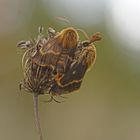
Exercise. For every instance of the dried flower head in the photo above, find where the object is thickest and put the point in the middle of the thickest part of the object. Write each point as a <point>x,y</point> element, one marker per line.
<point>56,64</point>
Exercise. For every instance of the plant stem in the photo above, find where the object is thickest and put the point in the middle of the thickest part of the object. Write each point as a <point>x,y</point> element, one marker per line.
<point>37,119</point>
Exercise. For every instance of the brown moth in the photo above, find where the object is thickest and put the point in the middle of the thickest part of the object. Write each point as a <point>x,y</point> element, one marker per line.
<point>84,58</point>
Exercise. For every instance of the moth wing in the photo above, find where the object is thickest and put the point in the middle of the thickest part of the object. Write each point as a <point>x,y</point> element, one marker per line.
<point>48,54</point>
<point>79,66</point>
<point>70,81</point>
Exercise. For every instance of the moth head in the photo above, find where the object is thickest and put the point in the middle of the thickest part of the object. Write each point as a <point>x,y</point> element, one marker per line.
<point>68,38</point>
<point>88,56</point>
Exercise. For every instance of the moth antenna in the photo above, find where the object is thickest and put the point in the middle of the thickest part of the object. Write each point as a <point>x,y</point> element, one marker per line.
<point>37,118</point>
<point>53,99</point>
<point>63,19</point>
<point>84,33</point>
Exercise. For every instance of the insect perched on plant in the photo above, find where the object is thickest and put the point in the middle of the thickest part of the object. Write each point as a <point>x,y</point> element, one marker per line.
<point>56,64</point>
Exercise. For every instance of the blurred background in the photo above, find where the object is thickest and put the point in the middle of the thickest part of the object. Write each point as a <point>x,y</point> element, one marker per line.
<point>107,107</point>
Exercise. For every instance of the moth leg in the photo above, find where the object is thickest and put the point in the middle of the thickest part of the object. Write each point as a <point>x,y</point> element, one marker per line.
<point>50,100</point>
<point>63,97</point>
<point>56,93</point>
<point>52,96</point>
<point>57,100</point>
<point>53,99</point>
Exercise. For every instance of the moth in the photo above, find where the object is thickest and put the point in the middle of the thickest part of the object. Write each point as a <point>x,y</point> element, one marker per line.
<point>84,57</point>
<point>56,64</point>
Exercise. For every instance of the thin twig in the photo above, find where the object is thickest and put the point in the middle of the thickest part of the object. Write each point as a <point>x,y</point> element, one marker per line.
<point>37,119</point>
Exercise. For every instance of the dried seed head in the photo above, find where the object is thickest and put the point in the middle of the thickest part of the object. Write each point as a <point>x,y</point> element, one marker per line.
<point>40,29</point>
<point>37,79</point>
<point>51,32</point>
<point>24,44</point>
